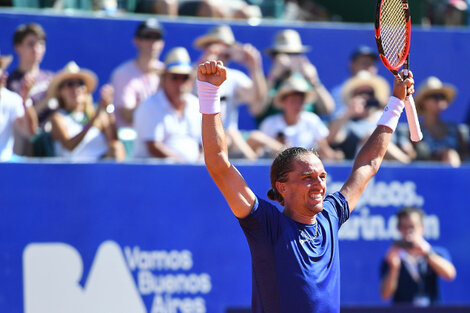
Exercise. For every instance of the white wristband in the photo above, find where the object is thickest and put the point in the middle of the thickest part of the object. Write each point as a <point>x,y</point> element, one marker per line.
<point>209,98</point>
<point>392,113</point>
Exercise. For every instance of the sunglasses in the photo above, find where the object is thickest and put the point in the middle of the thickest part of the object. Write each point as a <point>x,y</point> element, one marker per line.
<point>72,83</point>
<point>175,77</point>
<point>368,93</point>
<point>150,36</point>
<point>436,96</point>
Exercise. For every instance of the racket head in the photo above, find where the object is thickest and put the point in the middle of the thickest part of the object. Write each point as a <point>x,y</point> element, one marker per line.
<point>393,32</point>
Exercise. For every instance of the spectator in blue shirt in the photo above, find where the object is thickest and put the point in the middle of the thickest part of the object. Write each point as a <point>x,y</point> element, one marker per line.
<point>412,267</point>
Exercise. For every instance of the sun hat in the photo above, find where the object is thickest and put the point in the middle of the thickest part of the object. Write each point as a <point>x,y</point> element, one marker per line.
<point>287,41</point>
<point>364,78</point>
<point>217,34</point>
<point>432,85</point>
<point>5,60</point>
<point>177,61</point>
<point>72,71</point>
<point>295,83</point>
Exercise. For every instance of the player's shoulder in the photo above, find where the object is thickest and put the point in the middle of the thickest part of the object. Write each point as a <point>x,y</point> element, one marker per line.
<point>334,203</point>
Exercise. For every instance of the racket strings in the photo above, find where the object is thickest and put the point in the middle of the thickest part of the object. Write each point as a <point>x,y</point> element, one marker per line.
<point>393,31</point>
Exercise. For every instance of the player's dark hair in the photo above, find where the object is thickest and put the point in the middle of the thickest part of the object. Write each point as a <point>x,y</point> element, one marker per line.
<point>282,165</point>
<point>26,29</point>
<point>407,211</point>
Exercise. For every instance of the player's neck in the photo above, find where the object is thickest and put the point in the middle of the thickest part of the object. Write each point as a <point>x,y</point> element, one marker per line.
<point>300,217</point>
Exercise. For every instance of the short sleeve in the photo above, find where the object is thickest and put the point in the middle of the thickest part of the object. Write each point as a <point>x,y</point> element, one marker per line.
<point>264,218</point>
<point>340,206</point>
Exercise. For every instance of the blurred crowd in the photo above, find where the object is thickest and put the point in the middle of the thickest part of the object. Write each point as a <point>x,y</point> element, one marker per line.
<point>425,12</point>
<point>149,109</point>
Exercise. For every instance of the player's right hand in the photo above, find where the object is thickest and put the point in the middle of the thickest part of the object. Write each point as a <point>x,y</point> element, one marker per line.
<point>212,72</point>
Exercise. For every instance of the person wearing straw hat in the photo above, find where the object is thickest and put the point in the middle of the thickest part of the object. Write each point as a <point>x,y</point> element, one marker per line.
<point>442,141</point>
<point>219,43</point>
<point>294,253</point>
<point>168,124</point>
<point>137,79</point>
<point>365,95</point>
<point>288,55</point>
<point>15,114</point>
<point>82,133</point>
<point>295,126</point>
<point>362,58</point>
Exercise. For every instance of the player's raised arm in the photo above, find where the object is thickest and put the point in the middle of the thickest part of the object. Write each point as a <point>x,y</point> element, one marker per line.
<point>239,196</point>
<point>370,157</point>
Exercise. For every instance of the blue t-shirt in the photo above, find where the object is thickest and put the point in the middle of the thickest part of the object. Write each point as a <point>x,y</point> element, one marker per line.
<point>292,270</point>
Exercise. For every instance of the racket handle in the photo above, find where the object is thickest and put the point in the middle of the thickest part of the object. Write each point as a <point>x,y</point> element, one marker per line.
<point>412,117</point>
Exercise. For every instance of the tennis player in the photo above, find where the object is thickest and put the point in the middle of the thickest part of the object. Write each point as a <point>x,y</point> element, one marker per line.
<point>295,257</point>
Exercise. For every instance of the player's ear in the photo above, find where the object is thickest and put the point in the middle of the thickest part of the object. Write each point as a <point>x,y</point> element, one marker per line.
<point>281,187</point>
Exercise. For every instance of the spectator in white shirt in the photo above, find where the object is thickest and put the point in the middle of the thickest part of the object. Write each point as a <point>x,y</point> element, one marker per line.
<point>295,127</point>
<point>219,44</point>
<point>14,114</point>
<point>168,124</point>
<point>137,79</point>
<point>81,132</point>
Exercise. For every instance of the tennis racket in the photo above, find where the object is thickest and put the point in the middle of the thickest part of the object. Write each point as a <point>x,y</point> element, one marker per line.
<point>392,35</point>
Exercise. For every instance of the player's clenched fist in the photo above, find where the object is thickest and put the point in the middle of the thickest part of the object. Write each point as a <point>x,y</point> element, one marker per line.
<point>212,72</point>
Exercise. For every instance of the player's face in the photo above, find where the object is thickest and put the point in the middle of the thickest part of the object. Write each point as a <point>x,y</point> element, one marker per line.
<point>411,227</point>
<point>31,49</point>
<point>306,186</point>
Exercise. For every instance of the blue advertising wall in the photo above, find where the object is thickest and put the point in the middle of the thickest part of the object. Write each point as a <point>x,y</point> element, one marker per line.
<point>101,44</point>
<point>148,238</point>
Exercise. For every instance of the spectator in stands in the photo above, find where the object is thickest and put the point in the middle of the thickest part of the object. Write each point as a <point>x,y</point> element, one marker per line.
<point>137,79</point>
<point>363,58</point>
<point>15,113</point>
<point>288,57</point>
<point>219,43</point>
<point>168,124</point>
<point>28,79</point>
<point>365,96</point>
<point>442,140</point>
<point>296,127</point>
<point>445,12</point>
<point>234,9</point>
<point>80,131</point>
<point>412,267</point>
<point>305,10</point>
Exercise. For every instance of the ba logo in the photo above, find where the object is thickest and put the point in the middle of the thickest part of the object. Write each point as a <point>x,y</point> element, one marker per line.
<point>52,275</point>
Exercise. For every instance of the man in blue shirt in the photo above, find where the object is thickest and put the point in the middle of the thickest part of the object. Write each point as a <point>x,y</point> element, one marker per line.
<point>295,257</point>
<point>412,267</point>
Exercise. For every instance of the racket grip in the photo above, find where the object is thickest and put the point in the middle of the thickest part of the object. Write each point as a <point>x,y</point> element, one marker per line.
<point>412,117</point>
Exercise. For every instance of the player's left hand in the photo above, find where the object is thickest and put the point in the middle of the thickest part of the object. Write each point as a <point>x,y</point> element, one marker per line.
<point>403,88</point>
